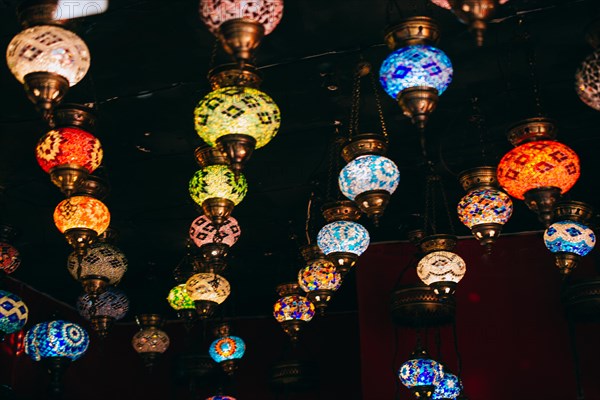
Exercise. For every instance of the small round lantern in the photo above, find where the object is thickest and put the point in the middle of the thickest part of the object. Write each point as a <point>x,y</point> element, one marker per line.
<point>102,265</point>
<point>13,313</point>
<point>421,375</point>
<point>112,305</point>
<point>292,310</point>
<point>207,290</point>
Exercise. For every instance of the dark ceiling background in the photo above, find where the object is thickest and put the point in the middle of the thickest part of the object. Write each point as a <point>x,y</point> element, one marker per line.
<point>149,62</point>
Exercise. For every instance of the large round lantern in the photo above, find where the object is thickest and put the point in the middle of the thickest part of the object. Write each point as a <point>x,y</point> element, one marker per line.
<point>587,80</point>
<point>112,305</point>
<point>13,313</point>
<point>180,301</point>
<point>343,240</point>
<point>56,339</point>
<point>320,278</point>
<point>81,219</point>
<point>102,265</point>
<point>448,388</point>
<point>213,242</point>
<point>569,241</point>
<point>207,290</point>
<point>441,270</point>
<point>292,310</point>
<point>150,342</point>
<point>227,349</point>
<point>421,375</point>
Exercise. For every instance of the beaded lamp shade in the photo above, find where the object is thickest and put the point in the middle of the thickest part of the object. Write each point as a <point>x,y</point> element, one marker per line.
<point>10,258</point>
<point>268,13</point>
<point>414,66</point>
<point>203,231</point>
<point>441,266</point>
<point>343,236</point>
<point>111,303</point>
<point>420,372</point>
<point>366,173</point>
<point>569,237</point>
<point>208,287</point>
<point>587,80</point>
<point>217,181</point>
<point>318,275</point>
<point>101,260</point>
<point>227,348</point>
<point>179,299</point>
<point>13,312</point>
<point>484,206</point>
<point>48,48</point>
<point>538,164</point>
<point>150,340</point>
<point>69,146</point>
<point>81,212</point>
<point>237,110</point>
<point>289,308</point>
<point>56,339</point>
<point>448,388</point>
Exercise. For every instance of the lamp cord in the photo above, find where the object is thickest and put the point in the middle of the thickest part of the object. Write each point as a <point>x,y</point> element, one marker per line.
<point>575,355</point>
<point>308,217</point>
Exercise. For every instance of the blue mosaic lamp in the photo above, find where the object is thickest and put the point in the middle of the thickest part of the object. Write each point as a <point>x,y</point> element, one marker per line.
<point>421,374</point>
<point>112,305</point>
<point>570,238</point>
<point>416,73</point>
<point>13,313</point>
<point>227,349</point>
<point>448,388</point>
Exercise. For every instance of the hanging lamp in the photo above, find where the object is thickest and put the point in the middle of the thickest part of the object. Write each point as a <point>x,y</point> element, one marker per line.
<point>569,238</point>
<point>474,13</point>
<point>416,73</point>
<point>180,301</point>
<point>236,116</point>
<point>292,310</point>
<point>448,388</point>
<point>207,290</point>
<point>214,242</point>
<point>485,208</point>
<point>587,79</point>
<point>45,57</point>
<point>539,169</point>
<point>421,374</point>
<point>319,278</point>
<point>13,313</point>
<point>215,187</point>
<point>110,306</point>
<point>239,25</point>
<point>150,341</point>
<point>226,349</point>
<point>10,258</point>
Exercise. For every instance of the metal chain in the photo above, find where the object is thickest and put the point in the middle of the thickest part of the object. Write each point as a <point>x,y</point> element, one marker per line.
<point>445,200</point>
<point>427,205</point>
<point>433,207</point>
<point>531,60</point>
<point>478,120</point>
<point>354,111</point>
<point>213,55</point>
<point>378,104</point>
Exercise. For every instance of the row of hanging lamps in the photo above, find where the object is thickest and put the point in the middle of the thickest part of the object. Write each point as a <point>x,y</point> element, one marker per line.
<point>110,306</point>
<point>485,208</point>
<point>46,57</point>
<point>207,290</point>
<point>13,313</point>
<point>56,343</point>
<point>236,116</point>
<point>587,77</point>
<point>474,13</point>
<point>539,169</point>
<point>227,349</point>
<point>215,187</point>
<point>416,73</point>
<point>292,310</point>
<point>369,178</point>
<point>150,341</point>
<point>70,152</point>
<point>10,257</point>
<point>569,238</point>
<point>319,278</point>
<point>240,25</point>
<point>213,242</point>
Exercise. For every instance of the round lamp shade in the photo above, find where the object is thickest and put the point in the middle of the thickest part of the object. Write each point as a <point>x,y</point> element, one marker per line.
<point>587,80</point>
<point>56,339</point>
<point>111,303</point>
<point>484,206</point>
<point>268,13</point>
<point>217,181</point>
<point>446,3</point>
<point>420,372</point>
<point>220,398</point>
<point>208,287</point>
<point>179,299</point>
<point>441,266</point>
<point>48,48</point>
<point>10,258</point>
<point>343,236</point>
<point>73,146</point>
<point>569,237</point>
<point>101,260</point>
<point>237,110</point>
<point>542,163</point>
<point>366,173</point>
<point>227,348</point>
<point>202,231</point>
<point>412,66</point>
<point>318,275</point>
<point>78,212</point>
<point>13,313</point>
<point>290,308</point>
<point>150,340</point>
<point>448,388</point>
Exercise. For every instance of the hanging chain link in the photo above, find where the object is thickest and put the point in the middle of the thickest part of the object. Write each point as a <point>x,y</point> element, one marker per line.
<point>354,111</point>
<point>446,205</point>
<point>478,121</point>
<point>432,186</point>
<point>213,55</point>
<point>378,104</point>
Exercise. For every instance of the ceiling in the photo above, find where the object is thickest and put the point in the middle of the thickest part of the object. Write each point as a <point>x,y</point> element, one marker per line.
<point>149,63</point>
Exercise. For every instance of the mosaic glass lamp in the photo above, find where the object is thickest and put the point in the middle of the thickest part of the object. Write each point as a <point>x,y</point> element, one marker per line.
<point>110,306</point>
<point>214,243</point>
<point>448,388</point>
<point>441,270</point>
<point>56,339</point>
<point>238,119</point>
<point>292,310</point>
<point>102,265</point>
<point>13,313</point>
<point>421,374</point>
<point>47,60</point>
<point>569,238</point>
<point>220,397</point>
<point>416,73</point>
<point>207,290</point>
<point>320,278</point>
<point>227,349</point>
<point>587,80</point>
<point>150,341</point>
<point>10,258</point>
<point>484,209</point>
<point>240,25</point>
<point>539,169</point>
<point>81,219</point>
<point>68,155</point>
<point>180,301</point>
